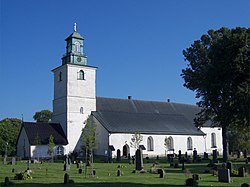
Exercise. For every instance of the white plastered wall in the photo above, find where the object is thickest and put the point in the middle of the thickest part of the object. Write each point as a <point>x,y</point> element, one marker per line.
<point>66,105</point>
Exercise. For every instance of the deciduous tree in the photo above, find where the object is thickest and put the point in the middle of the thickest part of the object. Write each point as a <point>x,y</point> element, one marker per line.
<point>43,116</point>
<point>218,71</point>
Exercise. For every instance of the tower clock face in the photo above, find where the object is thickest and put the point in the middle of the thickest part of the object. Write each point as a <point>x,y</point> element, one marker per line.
<point>79,59</point>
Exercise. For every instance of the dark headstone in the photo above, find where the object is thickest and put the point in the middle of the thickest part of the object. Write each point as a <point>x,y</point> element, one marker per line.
<point>13,170</point>
<point>129,157</point>
<point>94,172</point>
<point>242,172</point>
<point>134,171</point>
<point>245,153</point>
<point>195,177</point>
<point>119,173</point>
<point>182,161</point>
<point>66,178</point>
<point>168,158</point>
<point>77,165</point>
<point>133,160</point>
<point>205,156</point>
<point>157,157</point>
<point>229,165</point>
<point>179,156</point>
<point>191,182</point>
<point>80,171</point>
<point>6,181</point>
<point>245,185</point>
<point>186,155</point>
<point>224,175</point>
<point>238,154</point>
<point>138,160</point>
<point>162,173</point>
<point>215,155</point>
<point>194,155</point>
<point>118,156</point>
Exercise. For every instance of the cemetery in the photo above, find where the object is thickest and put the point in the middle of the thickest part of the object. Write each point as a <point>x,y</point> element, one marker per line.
<point>174,170</point>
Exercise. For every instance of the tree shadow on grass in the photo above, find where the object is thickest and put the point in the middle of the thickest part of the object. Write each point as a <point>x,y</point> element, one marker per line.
<point>104,184</point>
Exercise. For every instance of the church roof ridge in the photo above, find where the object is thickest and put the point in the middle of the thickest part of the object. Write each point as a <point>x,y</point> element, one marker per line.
<point>143,100</point>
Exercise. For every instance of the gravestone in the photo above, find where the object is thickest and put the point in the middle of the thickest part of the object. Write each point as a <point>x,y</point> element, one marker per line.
<point>215,155</point>
<point>13,161</point>
<point>6,181</point>
<point>157,157</point>
<point>195,177</point>
<point>168,158</point>
<point>245,153</point>
<point>13,170</point>
<point>66,178</point>
<point>182,161</point>
<point>133,160</point>
<point>245,185</point>
<point>94,172</point>
<point>224,175</point>
<point>194,155</point>
<point>80,171</point>
<point>242,172</point>
<point>119,173</point>
<point>78,164</point>
<point>129,157</point>
<point>162,173</point>
<point>186,155</point>
<point>205,156</point>
<point>229,165</point>
<point>238,154</point>
<point>179,156</point>
<point>138,160</point>
<point>118,156</point>
<point>191,182</point>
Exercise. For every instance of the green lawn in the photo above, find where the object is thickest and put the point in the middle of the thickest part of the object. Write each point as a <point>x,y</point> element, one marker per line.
<point>106,175</point>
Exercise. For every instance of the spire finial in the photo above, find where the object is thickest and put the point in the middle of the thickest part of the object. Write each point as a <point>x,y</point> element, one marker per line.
<point>74,27</point>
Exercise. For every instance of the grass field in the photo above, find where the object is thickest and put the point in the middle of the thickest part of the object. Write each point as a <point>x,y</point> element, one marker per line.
<point>106,175</point>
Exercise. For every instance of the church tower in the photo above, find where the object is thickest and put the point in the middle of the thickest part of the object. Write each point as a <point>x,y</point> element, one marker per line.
<point>74,90</point>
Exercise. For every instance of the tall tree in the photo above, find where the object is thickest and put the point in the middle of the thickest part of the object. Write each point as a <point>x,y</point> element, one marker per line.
<point>51,146</point>
<point>89,140</point>
<point>9,130</point>
<point>43,116</point>
<point>218,71</point>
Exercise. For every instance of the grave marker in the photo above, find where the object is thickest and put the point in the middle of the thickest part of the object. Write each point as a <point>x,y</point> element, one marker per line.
<point>242,172</point>
<point>224,175</point>
<point>138,160</point>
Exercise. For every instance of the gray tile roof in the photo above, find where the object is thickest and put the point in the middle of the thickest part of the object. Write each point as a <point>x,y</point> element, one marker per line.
<point>152,117</point>
<point>43,131</point>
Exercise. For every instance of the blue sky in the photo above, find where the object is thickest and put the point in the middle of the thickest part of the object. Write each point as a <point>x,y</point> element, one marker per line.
<point>136,45</point>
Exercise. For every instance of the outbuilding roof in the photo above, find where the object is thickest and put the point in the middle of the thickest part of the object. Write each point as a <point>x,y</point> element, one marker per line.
<point>42,131</point>
<point>151,117</point>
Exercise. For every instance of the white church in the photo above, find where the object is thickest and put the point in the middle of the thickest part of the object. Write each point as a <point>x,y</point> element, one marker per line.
<point>116,120</point>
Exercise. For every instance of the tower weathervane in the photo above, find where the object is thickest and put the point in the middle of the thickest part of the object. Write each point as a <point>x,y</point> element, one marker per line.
<point>74,27</point>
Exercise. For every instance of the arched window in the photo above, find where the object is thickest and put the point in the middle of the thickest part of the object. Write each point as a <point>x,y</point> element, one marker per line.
<point>60,150</point>
<point>60,76</point>
<point>169,143</point>
<point>81,75</point>
<point>77,47</point>
<point>81,110</point>
<point>213,140</point>
<point>189,143</point>
<point>150,143</point>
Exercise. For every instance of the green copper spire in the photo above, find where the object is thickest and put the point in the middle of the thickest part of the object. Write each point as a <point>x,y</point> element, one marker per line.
<point>74,49</point>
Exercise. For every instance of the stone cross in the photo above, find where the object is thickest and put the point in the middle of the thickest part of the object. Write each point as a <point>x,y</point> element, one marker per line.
<point>138,160</point>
